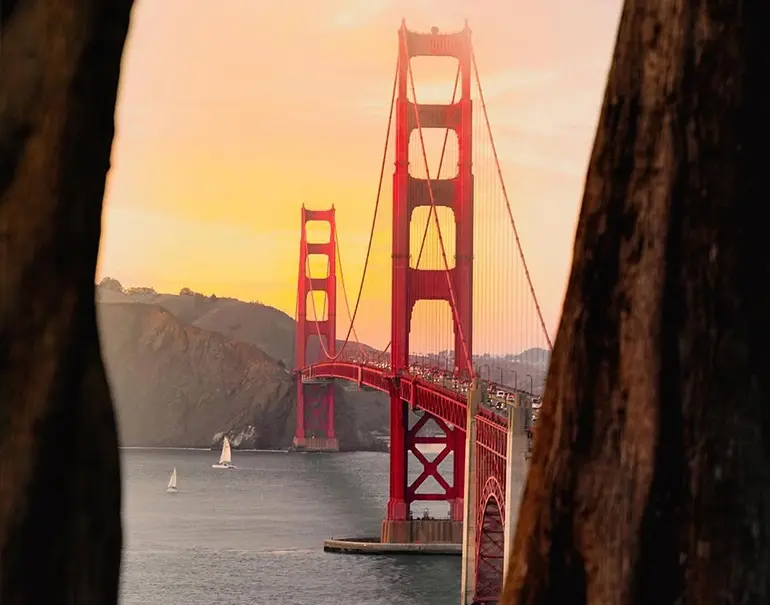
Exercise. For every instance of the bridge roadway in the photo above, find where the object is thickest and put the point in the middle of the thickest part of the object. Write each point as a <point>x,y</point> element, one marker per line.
<point>434,392</point>
<point>495,469</point>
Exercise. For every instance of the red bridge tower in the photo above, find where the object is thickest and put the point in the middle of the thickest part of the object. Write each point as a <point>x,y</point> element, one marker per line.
<point>412,284</point>
<point>315,397</point>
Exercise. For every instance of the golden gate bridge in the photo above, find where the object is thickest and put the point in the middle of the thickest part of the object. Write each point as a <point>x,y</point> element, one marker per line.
<point>474,371</point>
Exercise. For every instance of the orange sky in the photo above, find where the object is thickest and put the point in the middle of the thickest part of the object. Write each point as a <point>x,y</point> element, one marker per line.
<point>232,114</point>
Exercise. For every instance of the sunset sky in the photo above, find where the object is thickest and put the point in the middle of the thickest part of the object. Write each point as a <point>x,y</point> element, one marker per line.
<point>233,113</point>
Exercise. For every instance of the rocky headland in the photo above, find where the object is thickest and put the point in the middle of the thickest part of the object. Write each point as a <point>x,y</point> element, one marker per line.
<point>186,369</point>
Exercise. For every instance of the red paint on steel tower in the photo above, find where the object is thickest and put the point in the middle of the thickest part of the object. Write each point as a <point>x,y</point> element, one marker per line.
<point>410,285</point>
<point>315,397</point>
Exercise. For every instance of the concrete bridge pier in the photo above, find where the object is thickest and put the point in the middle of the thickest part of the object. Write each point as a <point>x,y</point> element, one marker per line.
<point>517,467</point>
<point>517,457</point>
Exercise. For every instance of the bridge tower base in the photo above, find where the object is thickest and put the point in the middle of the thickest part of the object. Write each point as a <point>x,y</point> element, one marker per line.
<point>315,444</point>
<point>517,467</point>
<point>421,531</point>
<point>399,525</point>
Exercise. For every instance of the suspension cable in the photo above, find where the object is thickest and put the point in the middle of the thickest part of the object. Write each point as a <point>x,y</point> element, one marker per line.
<point>326,298</point>
<point>453,300</point>
<point>507,200</point>
<point>345,290</point>
<point>371,235</point>
<point>293,359</point>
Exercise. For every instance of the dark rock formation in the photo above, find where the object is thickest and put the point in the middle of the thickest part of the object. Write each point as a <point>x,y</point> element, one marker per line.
<point>60,534</point>
<point>650,479</point>
<point>179,385</point>
<point>270,330</point>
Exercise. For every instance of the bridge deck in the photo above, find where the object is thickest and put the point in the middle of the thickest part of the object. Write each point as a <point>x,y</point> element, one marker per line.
<point>435,398</point>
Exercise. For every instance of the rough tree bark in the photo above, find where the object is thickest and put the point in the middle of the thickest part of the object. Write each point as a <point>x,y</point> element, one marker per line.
<point>650,473</point>
<point>60,533</point>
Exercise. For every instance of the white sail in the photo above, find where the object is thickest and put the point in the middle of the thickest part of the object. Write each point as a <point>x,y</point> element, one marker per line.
<point>225,458</point>
<point>172,481</point>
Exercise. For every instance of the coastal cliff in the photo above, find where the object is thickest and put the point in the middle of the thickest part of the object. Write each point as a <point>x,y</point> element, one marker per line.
<point>178,385</point>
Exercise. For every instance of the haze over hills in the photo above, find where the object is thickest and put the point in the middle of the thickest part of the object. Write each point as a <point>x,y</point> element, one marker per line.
<point>266,327</point>
<point>186,368</point>
<point>526,370</point>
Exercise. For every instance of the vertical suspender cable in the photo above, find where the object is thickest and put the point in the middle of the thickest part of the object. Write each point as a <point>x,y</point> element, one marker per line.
<point>507,201</point>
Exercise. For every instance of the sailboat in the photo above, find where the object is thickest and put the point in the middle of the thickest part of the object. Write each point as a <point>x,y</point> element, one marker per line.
<point>225,460</point>
<point>172,482</point>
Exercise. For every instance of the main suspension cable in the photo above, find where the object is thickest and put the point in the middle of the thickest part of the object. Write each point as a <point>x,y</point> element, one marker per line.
<point>293,358</point>
<point>345,290</point>
<point>371,235</point>
<point>430,213</point>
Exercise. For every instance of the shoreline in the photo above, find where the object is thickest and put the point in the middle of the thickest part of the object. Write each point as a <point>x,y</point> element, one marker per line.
<point>235,449</point>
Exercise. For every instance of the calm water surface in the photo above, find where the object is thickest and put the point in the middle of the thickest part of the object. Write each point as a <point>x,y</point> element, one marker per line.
<point>254,536</point>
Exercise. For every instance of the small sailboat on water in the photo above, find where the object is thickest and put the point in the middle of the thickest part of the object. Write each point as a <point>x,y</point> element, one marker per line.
<point>225,460</point>
<point>172,482</point>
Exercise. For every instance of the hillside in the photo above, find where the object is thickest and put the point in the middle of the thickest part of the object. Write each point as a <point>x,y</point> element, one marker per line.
<point>265,327</point>
<point>269,334</point>
<point>177,384</point>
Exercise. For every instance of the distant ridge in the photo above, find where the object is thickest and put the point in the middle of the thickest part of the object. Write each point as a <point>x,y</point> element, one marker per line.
<point>266,327</point>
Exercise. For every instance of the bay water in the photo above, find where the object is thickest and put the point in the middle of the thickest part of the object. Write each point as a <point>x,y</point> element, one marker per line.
<point>255,535</point>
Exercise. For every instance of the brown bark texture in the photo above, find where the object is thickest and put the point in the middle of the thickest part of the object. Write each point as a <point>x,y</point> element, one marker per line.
<point>60,532</point>
<point>650,472</point>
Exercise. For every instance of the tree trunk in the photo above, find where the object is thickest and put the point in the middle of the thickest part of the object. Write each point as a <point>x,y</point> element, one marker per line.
<point>650,472</point>
<point>60,534</point>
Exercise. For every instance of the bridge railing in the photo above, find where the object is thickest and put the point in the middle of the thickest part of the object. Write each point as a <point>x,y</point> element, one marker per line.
<point>492,433</point>
<point>440,398</point>
<point>363,375</point>
<point>445,404</point>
